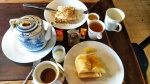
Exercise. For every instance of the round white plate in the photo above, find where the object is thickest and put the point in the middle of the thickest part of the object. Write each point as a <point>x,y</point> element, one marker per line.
<point>79,8</point>
<point>16,52</point>
<point>111,61</point>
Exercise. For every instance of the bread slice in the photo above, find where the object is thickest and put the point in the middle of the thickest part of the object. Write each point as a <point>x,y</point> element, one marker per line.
<point>82,64</point>
<point>88,66</point>
<point>65,14</point>
<point>96,64</point>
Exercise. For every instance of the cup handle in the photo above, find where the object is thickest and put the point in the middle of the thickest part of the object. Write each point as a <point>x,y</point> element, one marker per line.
<point>99,36</point>
<point>120,27</point>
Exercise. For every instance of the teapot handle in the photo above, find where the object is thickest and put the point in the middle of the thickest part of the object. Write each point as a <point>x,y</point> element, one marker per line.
<point>48,33</point>
<point>12,23</point>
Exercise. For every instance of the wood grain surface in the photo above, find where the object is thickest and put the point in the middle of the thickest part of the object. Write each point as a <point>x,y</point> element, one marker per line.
<point>137,22</point>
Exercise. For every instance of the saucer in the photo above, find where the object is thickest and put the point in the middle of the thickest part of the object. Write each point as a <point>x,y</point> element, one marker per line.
<point>15,51</point>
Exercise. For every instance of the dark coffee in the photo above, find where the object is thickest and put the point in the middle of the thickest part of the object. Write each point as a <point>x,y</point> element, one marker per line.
<point>95,26</point>
<point>48,75</point>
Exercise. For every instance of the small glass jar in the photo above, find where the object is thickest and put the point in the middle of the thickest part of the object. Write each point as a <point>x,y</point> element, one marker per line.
<point>59,53</point>
<point>73,37</point>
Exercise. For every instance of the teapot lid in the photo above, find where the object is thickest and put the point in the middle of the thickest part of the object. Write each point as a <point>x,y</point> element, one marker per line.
<point>26,23</point>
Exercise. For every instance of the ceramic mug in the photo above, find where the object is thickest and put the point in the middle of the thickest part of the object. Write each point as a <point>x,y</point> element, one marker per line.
<point>95,29</point>
<point>92,16</point>
<point>113,18</point>
<point>42,73</point>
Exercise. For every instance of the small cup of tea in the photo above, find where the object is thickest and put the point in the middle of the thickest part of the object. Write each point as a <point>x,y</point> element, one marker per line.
<point>92,16</point>
<point>95,29</point>
<point>47,72</point>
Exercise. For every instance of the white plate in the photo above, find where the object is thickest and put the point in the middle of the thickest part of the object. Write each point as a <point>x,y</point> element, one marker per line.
<point>111,61</point>
<point>16,52</point>
<point>79,8</point>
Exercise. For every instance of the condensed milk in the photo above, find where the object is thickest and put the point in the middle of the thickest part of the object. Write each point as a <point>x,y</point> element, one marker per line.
<point>59,53</point>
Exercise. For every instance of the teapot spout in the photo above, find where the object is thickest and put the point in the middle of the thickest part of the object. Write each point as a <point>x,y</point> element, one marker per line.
<point>48,33</point>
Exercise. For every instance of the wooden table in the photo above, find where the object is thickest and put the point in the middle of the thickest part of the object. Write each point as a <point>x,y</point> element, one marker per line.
<point>118,41</point>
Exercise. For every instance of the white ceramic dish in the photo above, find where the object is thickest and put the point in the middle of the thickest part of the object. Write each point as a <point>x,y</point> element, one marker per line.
<point>16,52</point>
<point>79,8</point>
<point>111,61</point>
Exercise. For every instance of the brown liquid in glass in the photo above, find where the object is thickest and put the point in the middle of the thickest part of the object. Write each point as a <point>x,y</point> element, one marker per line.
<point>48,75</point>
<point>93,17</point>
<point>97,27</point>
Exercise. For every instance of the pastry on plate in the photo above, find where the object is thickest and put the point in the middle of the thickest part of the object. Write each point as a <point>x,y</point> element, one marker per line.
<point>65,14</point>
<point>89,66</point>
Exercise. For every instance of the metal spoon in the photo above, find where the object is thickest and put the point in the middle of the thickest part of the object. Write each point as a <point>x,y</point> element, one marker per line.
<point>35,63</point>
<point>53,10</point>
<point>43,8</point>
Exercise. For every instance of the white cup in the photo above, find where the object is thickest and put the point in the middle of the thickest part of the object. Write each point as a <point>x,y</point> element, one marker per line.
<point>113,18</point>
<point>95,29</point>
<point>39,69</point>
<point>92,16</point>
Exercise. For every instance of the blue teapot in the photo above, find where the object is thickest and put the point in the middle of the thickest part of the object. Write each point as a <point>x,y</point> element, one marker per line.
<point>30,31</point>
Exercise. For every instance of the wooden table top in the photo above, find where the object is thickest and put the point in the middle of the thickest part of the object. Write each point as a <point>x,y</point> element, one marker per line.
<point>119,42</point>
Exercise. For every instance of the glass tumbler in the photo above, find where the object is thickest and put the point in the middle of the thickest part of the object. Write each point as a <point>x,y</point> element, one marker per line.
<point>59,53</point>
<point>73,37</point>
